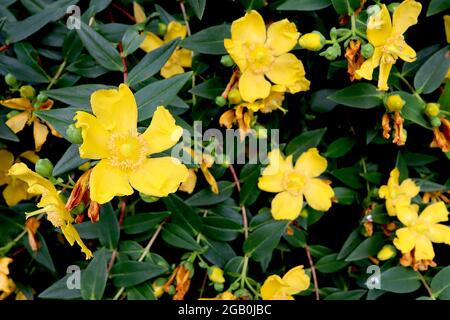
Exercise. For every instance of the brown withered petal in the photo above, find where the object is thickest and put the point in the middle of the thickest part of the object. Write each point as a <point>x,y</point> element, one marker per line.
<point>442,136</point>
<point>386,127</point>
<point>399,136</point>
<point>80,192</point>
<point>354,58</point>
<point>32,225</point>
<point>227,118</point>
<point>182,283</point>
<point>94,211</point>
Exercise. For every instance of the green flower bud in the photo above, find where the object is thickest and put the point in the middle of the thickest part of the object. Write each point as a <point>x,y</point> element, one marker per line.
<point>10,80</point>
<point>367,50</point>
<point>242,293</point>
<point>432,109</point>
<point>221,101</point>
<point>27,92</point>
<point>160,282</point>
<point>202,264</point>
<point>313,41</point>
<point>215,274</point>
<point>44,168</point>
<point>387,252</point>
<point>304,213</point>
<point>162,28</point>
<point>218,287</point>
<point>392,6</point>
<point>171,290</point>
<point>333,33</point>
<point>42,97</point>
<point>436,122</point>
<point>79,209</point>
<point>226,61</point>
<point>74,134</point>
<point>188,265</point>
<point>234,97</point>
<point>331,53</point>
<point>147,198</point>
<point>394,103</point>
<point>12,114</point>
<point>372,10</point>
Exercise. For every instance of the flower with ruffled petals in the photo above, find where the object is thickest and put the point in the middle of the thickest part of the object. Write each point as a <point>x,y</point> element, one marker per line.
<point>293,282</point>
<point>111,136</point>
<point>7,285</point>
<point>397,194</point>
<point>291,183</point>
<point>262,53</point>
<point>386,36</point>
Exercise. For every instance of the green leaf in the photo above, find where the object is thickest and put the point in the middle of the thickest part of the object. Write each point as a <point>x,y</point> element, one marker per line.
<point>152,62</point>
<point>349,176</point>
<point>399,280</point>
<point>93,280</point>
<point>304,141</point>
<point>69,161</point>
<point>437,6</point>
<point>296,239</point>
<point>176,236</point>
<point>86,67</point>
<point>20,70</point>
<point>422,56</point>
<point>218,252</point>
<point>345,6</point>
<point>340,147</point>
<point>108,228</point>
<point>318,251</point>
<point>444,99</point>
<point>198,6</point>
<point>220,228</point>
<point>42,255</point>
<point>60,290</point>
<point>368,247</point>
<point>28,55</point>
<point>320,102</point>
<point>440,285</point>
<point>78,96</point>
<point>431,74</point>
<point>360,95</point>
<point>143,291</point>
<point>249,180</point>
<point>5,132</point>
<point>209,89</point>
<point>430,186</point>
<point>304,5</point>
<point>345,196</point>
<point>99,48</point>
<point>143,222</point>
<point>131,273</point>
<point>253,4</point>
<point>330,263</point>
<point>183,214</point>
<point>347,295</point>
<point>264,239</point>
<point>159,93</point>
<point>131,40</point>
<point>206,197</point>
<point>209,40</point>
<point>60,119</point>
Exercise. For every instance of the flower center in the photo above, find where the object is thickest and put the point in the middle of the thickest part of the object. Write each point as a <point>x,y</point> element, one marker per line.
<point>421,228</point>
<point>294,182</point>
<point>260,58</point>
<point>127,151</point>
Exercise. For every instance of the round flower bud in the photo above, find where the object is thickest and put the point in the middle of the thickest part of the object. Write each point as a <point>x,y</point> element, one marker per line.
<point>331,53</point>
<point>432,109</point>
<point>218,287</point>
<point>395,103</point>
<point>42,97</point>
<point>312,41</point>
<point>436,122</point>
<point>162,28</point>
<point>147,198</point>
<point>158,286</point>
<point>220,101</point>
<point>367,50</point>
<point>44,168</point>
<point>304,213</point>
<point>333,33</point>
<point>27,92</point>
<point>392,6</point>
<point>74,134</point>
<point>372,10</point>
<point>215,274</point>
<point>387,252</point>
<point>234,97</point>
<point>172,290</point>
<point>10,80</point>
<point>226,61</point>
<point>79,209</point>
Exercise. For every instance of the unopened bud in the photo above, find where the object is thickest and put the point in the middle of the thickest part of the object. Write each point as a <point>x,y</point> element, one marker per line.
<point>218,287</point>
<point>436,122</point>
<point>215,274</point>
<point>387,252</point>
<point>226,61</point>
<point>367,50</point>
<point>74,134</point>
<point>42,97</point>
<point>331,53</point>
<point>395,103</point>
<point>312,41</point>
<point>220,101</point>
<point>147,198</point>
<point>393,6</point>
<point>44,167</point>
<point>27,92</point>
<point>12,114</point>
<point>432,109</point>
<point>10,80</point>
<point>234,97</point>
<point>162,28</point>
<point>372,10</point>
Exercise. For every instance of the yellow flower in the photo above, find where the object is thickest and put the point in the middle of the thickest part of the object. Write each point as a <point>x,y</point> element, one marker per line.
<point>291,183</point>
<point>261,54</point>
<point>50,203</point>
<point>422,230</point>
<point>181,58</point>
<point>272,102</point>
<point>189,185</point>
<point>447,27</point>
<point>17,122</point>
<point>215,274</point>
<point>387,38</point>
<point>396,194</point>
<point>16,190</point>
<point>7,285</point>
<point>387,252</point>
<point>293,282</point>
<point>111,136</point>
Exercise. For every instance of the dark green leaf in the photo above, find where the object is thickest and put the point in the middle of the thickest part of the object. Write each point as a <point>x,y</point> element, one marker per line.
<point>330,264</point>
<point>440,285</point>
<point>340,147</point>
<point>78,96</point>
<point>304,141</point>
<point>130,273</point>
<point>368,247</point>
<point>93,280</point>
<point>360,95</point>
<point>143,291</point>
<point>206,197</point>
<point>431,74</point>
<point>183,214</point>
<point>264,239</point>
<point>60,119</point>
<point>353,240</point>
<point>437,6</point>
<point>220,228</point>
<point>209,40</point>
<point>304,5</point>
<point>20,70</point>
<point>344,195</point>
<point>349,176</point>
<point>345,6</point>
<point>69,161</point>
<point>399,280</point>
<point>131,40</point>
<point>218,252</point>
<point>209,89</point>
<point>108,227</point>
<point>60,289</point>
<point>42,255</point>
<point>176,236</point>
<point>346,295</point>
<point>198,6</point>
<point>143,222</point>
<point>5,132</point>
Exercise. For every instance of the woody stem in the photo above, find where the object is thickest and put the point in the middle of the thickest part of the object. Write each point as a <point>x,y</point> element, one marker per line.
<point>183,10</point>
<point>313,271</point>
<point>427,287</point>
<point>243,210</point>
<point>58,74</point>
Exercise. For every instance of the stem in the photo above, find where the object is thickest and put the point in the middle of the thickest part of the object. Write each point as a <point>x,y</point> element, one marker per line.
<point>186,22</point>
<point>410,87</point>
<point>425,284</point>
<point>313,271</point>
<point>235,178</point>
<point>124,62</point>
<point>5,47</point>
<point>353,21</point>
<point>244,212</point>
<point>205,278</point>
<point>123,206</point>
<point>364,166</point>
<point>244,271</point>
<point>123,11</point>
<point>58,74</point>
<point>111,261</point>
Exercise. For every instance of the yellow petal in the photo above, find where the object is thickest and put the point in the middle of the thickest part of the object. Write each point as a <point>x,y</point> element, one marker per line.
<point>189,185</point>
<point>53,131</point>
<point>170,70</point>
<point>40,132</point>
<point>175,30</point>
<point>115,109</point>
<point>407,215</point>
<point>6,161</point>
<point>253,86</point>
<point>385,69</point>
<point>447,27</point>
<point>184,57</point>
<point>151,42</point>
<point>72,236</point>
<point>22,172</point>
<point>209,177</point>
<point>311,164</point>
<point>379,27</point>
<point>17,104</point>
<point>18,122</point>
<point>138,12</point>
<point>366,69</point>
<point>162,133</point>
<point>318,194</point>
<point>405,240</point>
<point>95,136</point>
<point>273,175</point>
<point>272,287</point>
<point>424,248</point>
<point>282,36</point>
<point>434,213</point>
<point>107,181</point>
<point>286,206</point>
<point>15,192</point>
<point>4,262</point>
<point>407,53</point>
<point>30,156</point>
<point>439,233</point>
<point>297,280</point>
<point>405,16</point>
<point>249,29</point>
<point>409,188</point>
<point>159,176</point>
<point>237,51</point>
<point>288,71</point>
